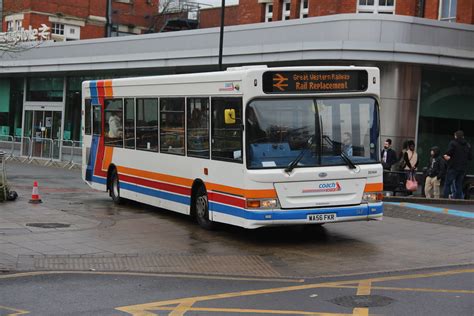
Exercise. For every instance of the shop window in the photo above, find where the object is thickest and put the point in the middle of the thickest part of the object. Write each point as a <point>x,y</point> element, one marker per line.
<point>304,9</point>
<point>227,129</point>
<point>198,127</point>
<point>129,123</point>
<point>172,125</point>
<point>113,115</point>
<point>268,12</point>
<point>447,10</point>
<point>286,8</point>
<point>147,124</point>
<point>376,6</point>
<point>87,117</point>
<point>45,89</point>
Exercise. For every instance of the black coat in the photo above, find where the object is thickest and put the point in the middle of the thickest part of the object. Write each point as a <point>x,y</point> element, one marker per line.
<point>391,158</point>
<point>460,152</point>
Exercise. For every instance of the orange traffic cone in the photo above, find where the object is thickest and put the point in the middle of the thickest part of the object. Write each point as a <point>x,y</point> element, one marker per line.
<point>35,198</point>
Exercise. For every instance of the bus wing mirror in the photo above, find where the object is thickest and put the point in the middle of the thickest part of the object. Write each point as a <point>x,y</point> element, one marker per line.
<point>229,116</point>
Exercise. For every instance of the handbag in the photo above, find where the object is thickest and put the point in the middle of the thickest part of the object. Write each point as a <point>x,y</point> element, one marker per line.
<point>411,184</point>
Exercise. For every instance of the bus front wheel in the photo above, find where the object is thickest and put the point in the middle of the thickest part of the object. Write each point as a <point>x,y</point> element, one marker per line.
<point>201,209</point>
<point>114,189</point>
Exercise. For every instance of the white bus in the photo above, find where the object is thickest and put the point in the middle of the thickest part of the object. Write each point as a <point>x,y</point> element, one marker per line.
<point>251,146</point>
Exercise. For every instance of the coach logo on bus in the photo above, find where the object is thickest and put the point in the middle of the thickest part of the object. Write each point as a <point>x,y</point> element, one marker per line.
<point>229,116</point>
<point>325,187</point>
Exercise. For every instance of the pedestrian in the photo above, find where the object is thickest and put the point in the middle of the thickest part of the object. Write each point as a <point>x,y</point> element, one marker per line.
<point>434,174</point>
<point>389,156</point>
<point>410,162</point>
<point>458,155</point>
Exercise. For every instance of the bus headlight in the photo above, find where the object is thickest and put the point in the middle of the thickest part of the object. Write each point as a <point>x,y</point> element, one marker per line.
<point>262,203</point>
<point>372,197</point>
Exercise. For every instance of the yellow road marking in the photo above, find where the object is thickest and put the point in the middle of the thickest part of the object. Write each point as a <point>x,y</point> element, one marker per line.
<point>253,311</point>
<point>14,310</point>
<point>362,289</point>
<point>140,308</point>
<point>185,276</point>
<point>407,289</point>
<point>182,308</point>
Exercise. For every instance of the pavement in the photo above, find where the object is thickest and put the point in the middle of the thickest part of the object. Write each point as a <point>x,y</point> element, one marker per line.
<point>93,234</point>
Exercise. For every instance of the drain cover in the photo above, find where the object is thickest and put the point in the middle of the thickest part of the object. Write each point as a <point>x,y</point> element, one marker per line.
<point>48,225</point>
<point>362,301</point>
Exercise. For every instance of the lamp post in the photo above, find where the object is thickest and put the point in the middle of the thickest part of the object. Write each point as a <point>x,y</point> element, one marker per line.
<point>221,38</point>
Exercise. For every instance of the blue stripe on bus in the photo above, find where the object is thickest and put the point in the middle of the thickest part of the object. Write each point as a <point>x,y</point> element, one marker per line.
<point>350,211</point>
<point>94,93</point>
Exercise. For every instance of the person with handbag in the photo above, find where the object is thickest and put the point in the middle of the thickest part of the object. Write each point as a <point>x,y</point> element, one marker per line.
<point>410,160</point>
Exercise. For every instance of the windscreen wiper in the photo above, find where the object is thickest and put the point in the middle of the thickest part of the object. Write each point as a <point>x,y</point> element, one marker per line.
<point>343,155</point>
<point>295,162</point>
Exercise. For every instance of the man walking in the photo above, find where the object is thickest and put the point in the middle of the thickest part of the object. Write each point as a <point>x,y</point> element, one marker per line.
<point>458,155</point>
<point>389,156</point>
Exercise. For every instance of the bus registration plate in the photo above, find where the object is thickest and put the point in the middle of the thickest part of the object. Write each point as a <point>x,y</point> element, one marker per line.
<point>318,218</point>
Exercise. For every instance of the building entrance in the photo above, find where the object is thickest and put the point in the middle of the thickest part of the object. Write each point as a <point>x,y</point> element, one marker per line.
<point>42,134</point>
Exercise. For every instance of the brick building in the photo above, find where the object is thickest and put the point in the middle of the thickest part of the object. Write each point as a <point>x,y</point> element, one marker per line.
<point>257,11</point>
<point>82,19</point>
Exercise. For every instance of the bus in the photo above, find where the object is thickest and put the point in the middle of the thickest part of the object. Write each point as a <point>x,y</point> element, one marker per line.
<point>250,146</point>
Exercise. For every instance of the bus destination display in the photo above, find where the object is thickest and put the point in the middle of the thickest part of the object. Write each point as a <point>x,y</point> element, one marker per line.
<point>281,82</point>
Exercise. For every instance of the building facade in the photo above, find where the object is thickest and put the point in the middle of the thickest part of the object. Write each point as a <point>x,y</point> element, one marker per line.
<point>427,64</point>
<point>258,11</point>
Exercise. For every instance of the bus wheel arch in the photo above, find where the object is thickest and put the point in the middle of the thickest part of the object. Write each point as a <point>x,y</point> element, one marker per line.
<point>113,184</point>
<point>200,205</point>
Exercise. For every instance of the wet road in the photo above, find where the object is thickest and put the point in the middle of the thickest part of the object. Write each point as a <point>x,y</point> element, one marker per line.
<point>135,237</point>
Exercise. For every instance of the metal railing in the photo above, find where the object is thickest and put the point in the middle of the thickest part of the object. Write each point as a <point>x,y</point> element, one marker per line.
<point>46,151</point>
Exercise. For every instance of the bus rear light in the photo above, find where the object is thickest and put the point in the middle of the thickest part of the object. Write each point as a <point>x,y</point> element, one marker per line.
<point>372,197</point>
<point>262,203</point>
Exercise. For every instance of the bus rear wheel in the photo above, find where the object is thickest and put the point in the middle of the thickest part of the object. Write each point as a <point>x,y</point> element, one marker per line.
<point>114,187</point>
<point>201,209</point>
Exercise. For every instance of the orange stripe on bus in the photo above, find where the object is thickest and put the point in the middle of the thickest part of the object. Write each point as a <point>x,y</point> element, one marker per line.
<point>373,187</point>
<point>189,182</point>
<point>108,154</point>
<point>109,92</point>
<point>155,176</point>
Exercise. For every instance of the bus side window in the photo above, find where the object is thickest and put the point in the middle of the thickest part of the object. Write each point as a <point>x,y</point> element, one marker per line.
<point>87,117</point>
<point>97,120</point>
<point>172,125</point>
<point>147,124</point>
<point>129,123</point>
<point>113,116</point>
<point>227,138</point>
<point>198,127</point>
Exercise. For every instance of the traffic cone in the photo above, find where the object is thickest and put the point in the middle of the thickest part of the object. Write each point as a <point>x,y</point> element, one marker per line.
<point>35,198</point>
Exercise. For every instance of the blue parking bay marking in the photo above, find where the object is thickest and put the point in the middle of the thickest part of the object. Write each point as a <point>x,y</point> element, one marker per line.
<point>434,209</point>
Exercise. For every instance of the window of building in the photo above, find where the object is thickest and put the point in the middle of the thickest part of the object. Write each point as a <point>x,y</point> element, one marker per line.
<point>45,89</point>
<point>172,125</point>
<point>376,6</point>
<point>14,25</point>
<point>304,9</point>
<point>447,10</point>
<point>268,12</point>
<point>57,29</point>
<point>227,135</point>
<point>285,9</point>
<point>129,123</point>
<point>198,127</point>
<point>147,124</point>
<point>113,114</point>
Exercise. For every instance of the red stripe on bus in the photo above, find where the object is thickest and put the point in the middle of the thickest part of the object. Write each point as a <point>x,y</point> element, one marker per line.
<point>156,185</point>
<point>225,199</point>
